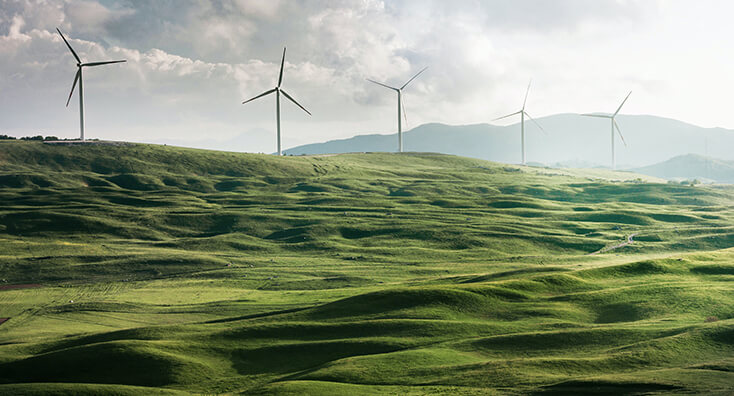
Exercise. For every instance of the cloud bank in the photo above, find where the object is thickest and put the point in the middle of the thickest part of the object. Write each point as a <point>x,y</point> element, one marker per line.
<point>191,63</point>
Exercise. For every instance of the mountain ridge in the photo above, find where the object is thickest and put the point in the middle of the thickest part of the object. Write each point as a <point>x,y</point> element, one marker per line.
<point>570,138</point>
<point>692,167</point>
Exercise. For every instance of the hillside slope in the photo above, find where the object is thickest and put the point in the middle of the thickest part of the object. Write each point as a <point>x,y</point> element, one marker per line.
<point>692,167</point>
<point>138,269</point>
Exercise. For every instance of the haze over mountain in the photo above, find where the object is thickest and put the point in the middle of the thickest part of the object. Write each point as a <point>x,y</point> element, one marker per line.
<point>692,167</point>
<point>570,139</point>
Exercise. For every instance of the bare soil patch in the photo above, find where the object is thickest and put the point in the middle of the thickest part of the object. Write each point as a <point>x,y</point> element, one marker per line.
<point>630,240</point>
<point>86,142</point>
<point>23,286</point>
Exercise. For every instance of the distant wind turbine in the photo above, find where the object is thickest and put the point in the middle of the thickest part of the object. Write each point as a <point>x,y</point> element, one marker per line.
<point>78,77</point>
<point>279,91</point>
<point>614,125</point>
<point>523,113</point>
<point>400,105</point>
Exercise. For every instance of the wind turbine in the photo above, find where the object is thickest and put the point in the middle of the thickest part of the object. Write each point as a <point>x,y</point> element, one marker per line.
<point>78,77</point>
<point>523,113</point>
<point>400,104</point>
<point>278,91</point>
<point>614,125</point>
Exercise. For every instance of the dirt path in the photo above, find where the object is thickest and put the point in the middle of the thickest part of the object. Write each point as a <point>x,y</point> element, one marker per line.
<point>630,240</point>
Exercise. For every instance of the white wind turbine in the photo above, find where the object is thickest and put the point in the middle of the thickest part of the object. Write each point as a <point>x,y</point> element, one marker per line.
<point>523,113</point>
<point>614,125</point>
<point>78,77</point>
<point>400,104</point>
<point>279,91</point>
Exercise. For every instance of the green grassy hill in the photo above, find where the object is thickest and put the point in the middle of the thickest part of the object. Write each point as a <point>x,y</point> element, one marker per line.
<point>152,269</point>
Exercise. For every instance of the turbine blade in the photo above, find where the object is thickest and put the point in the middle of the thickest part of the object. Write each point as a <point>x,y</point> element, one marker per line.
<point>536,123</point>
<point>413,78</point>
<point>294,101</point>
<point>386,86</point>
<point>260,96</point>
<point>526,95</point>
<point>76,78</point>
<point>620,106</point>
<point>69,45</point>
<point>595,115</point>
<point>102,63</point>
<point>282,63</point>
<point>509,115</point>
<point>619,131</point>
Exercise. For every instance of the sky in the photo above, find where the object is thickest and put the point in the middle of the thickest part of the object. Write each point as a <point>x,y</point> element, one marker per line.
<point>190,64</point>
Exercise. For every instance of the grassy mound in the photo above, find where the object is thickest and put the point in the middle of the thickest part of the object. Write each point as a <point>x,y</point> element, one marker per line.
<point>164,269</point>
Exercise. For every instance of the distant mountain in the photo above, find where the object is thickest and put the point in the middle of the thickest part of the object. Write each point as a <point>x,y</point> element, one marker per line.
<point>690,167</point>
<point>571,139</point>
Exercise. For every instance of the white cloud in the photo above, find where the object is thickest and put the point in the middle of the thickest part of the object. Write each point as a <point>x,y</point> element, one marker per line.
<point>88,16</point>
<point>191,63</point>
<point>263,9</point>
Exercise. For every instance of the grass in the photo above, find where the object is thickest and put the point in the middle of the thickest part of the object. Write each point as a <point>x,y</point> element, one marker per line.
<point>174,270</point>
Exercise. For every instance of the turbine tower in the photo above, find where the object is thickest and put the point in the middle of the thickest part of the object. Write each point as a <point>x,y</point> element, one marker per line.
<point>400,104</point>
<point>78,77</point>
<point>523,113</point>
<point>614,125</point>
<point>279,91</point>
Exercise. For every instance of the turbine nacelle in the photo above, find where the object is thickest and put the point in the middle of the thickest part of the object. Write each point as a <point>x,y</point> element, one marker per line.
<point>613,118</point>
<point>614,126</point>
<point>401,108</point>
<point>524,114</point>
<point>278,90</point>
<point>78,78</point>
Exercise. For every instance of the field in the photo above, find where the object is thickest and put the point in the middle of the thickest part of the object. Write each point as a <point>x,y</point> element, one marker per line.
<point>162,270</point>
